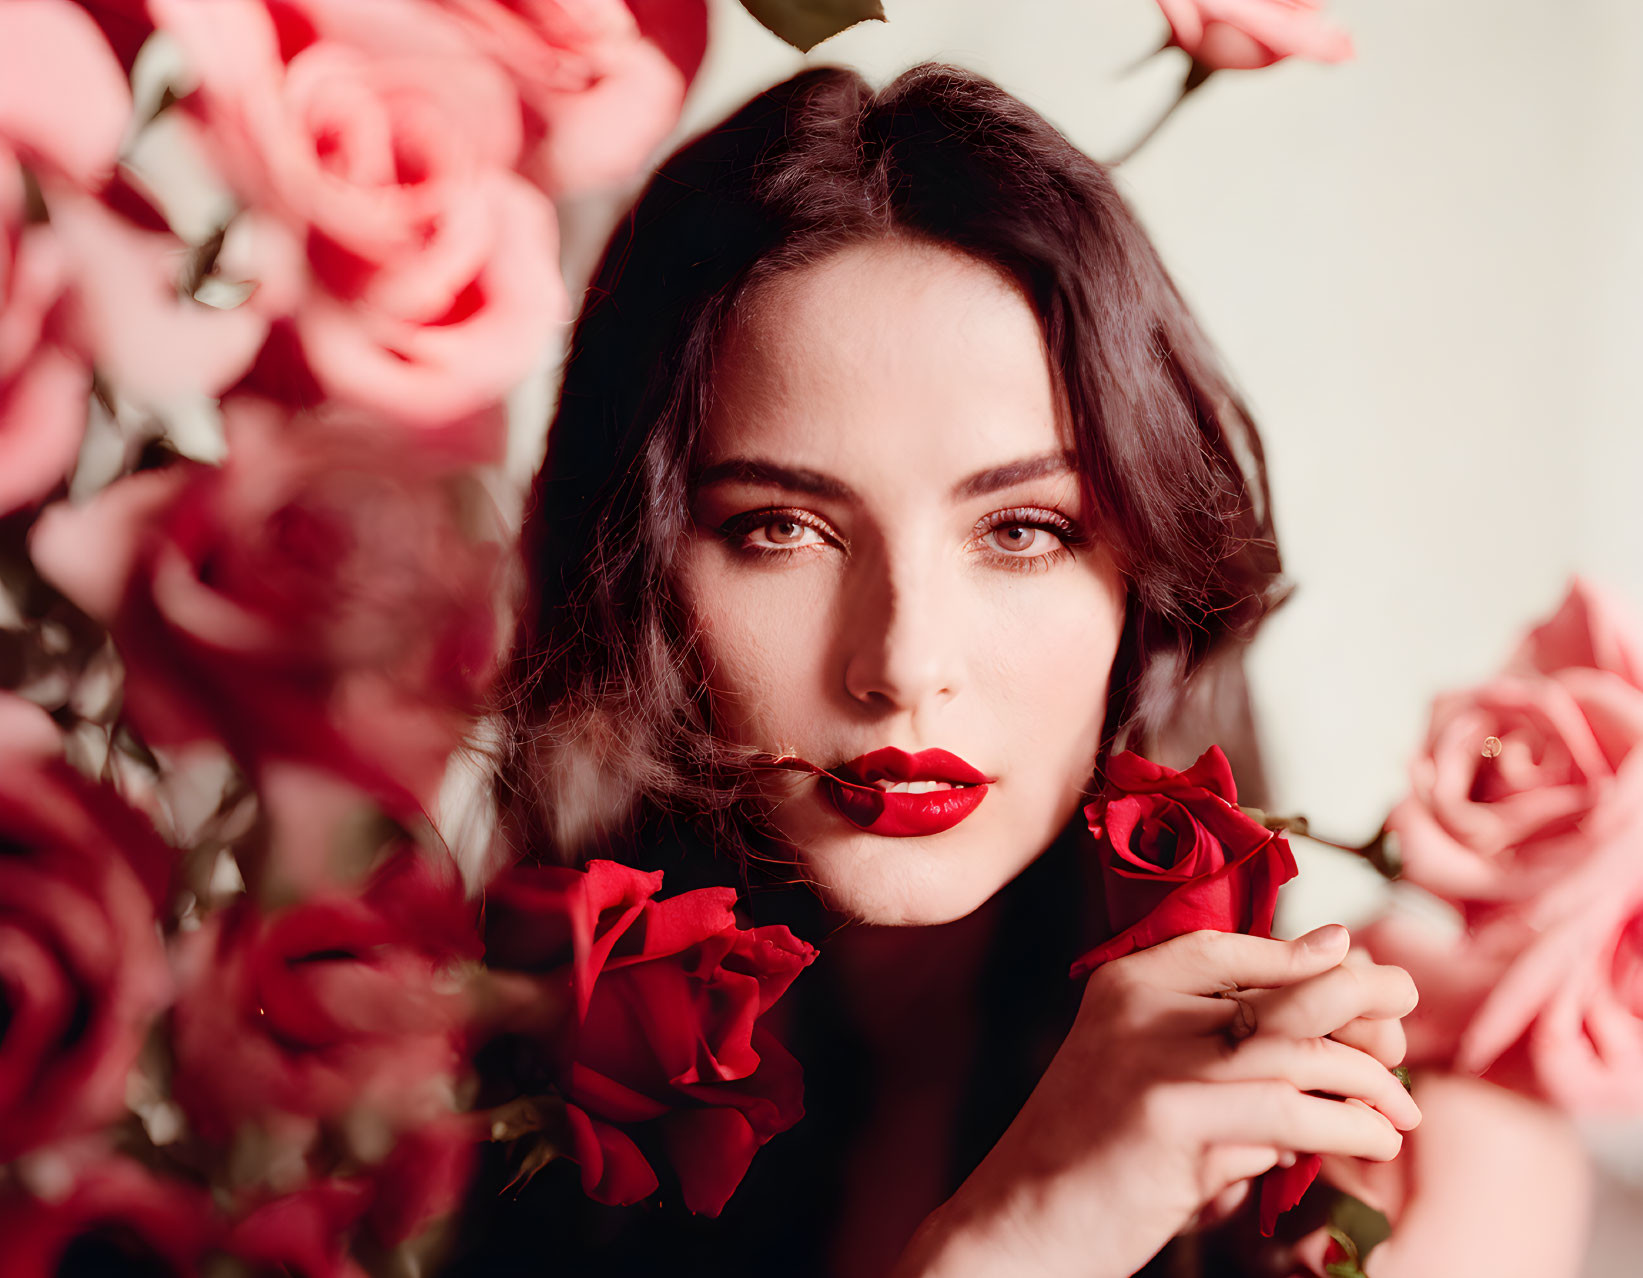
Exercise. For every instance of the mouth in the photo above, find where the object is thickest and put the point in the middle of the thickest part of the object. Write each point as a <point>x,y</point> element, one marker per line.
<point>899,795</point>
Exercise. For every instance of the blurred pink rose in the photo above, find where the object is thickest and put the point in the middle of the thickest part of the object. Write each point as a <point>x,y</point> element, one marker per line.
<point>312,1230</point>
<point>324,597</point>
<point>43,385</point>
<point>82,967</point>
<point>601,81</point>
<point>64,113</point>
<point>127,310</point>
<point>63,117</point>
<point>1490,1182</point>
<point>376,146</point>
<point>1526,812</point>
<point>305,1232</point>
<point>1522,780</point>
<point>124,22</point>
<point>337,1003</point>
<point>1546,1002</point>
<point>1232,35</point>
<point>116,1218</point>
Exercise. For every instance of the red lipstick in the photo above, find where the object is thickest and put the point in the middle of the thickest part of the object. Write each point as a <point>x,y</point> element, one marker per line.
<point>854,792</point>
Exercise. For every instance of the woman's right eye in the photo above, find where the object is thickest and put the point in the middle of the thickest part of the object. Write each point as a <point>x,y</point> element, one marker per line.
<point>774,531</point>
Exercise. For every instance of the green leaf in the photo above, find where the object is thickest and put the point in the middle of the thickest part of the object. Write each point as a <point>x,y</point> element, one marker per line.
<point>1358,1226</point>
<point>538,1153</point>
<point>525,1115</point>
<point>806,23</point>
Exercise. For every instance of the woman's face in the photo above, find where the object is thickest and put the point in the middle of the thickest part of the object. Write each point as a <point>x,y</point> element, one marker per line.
<point>889,550</point>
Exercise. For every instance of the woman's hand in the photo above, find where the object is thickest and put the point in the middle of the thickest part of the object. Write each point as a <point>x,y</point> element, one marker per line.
<point>1151,1109</point>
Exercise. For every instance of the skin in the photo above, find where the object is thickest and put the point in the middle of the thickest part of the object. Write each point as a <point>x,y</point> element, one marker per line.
<point>852,585</point>
<point>889,604</point>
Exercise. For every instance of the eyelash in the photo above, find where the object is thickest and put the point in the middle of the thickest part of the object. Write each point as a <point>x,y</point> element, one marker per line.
<point>1035,517</point>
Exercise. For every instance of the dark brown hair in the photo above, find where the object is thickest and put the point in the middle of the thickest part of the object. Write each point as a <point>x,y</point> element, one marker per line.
<point>602,703</point>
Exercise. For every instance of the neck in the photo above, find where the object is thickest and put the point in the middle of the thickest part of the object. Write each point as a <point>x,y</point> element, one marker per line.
<point>911,990</point>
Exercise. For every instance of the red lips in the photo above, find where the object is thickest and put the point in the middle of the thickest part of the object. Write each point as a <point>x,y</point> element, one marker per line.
<point>902,815</point>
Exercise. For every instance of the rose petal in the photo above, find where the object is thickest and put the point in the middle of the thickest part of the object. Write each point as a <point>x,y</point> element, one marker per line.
<point>69,109</point>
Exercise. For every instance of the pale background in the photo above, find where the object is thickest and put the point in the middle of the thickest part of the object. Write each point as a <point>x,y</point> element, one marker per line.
<point>1425,270</point>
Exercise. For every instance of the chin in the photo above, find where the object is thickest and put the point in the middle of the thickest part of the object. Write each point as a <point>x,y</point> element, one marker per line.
<point>894,884</point>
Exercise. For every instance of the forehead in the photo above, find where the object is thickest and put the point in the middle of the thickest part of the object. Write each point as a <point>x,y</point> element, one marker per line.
<point>890,355</point>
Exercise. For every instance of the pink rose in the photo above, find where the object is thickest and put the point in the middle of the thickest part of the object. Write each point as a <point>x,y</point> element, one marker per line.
<point>601,81</point>
<point>305,1233</point>
<point>339,1003</point>
<point>124,22</point>
<point>1527,812</point>
<point>666,1050</point>
<point>376,146</point>
<point>322,597</point>
<point>116,1218</point>
<point>1522,780</point>
<point>63,116</point>
<point>82,968</point>
<point>127,311</point>
<point>43,386</point>
<point>64,101</point>
<point>316,1230</point>
<point>1230,35</point>
<point>1490,1182</point>
<point>1537,996</point>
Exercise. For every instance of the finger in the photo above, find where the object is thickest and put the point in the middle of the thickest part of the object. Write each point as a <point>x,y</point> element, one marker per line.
<point>1322,1004</point>
<point>1228,1172</point>
<point>1383,1039</point>
<point>1311,1065</point>
<point>1267,1112</point>
<point>1205,961</point>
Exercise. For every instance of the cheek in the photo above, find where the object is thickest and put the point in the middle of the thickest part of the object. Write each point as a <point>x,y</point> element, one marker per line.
<point>759,642</point>
<point>1050,651</point>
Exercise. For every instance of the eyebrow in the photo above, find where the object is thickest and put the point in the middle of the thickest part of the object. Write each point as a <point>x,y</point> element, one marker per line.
<point>1012,473</point>
<point>756,470</point>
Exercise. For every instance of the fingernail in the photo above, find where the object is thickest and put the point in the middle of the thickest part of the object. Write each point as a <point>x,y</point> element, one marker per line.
<point>1325,938</point>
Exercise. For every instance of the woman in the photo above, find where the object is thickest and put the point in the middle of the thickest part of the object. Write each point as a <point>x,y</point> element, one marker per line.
<point>886,445</point>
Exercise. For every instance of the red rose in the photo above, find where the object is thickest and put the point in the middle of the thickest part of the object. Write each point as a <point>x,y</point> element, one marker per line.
<point>1177,856</point>
<point>82,968</point>
<point>116,1218</point>
<point>334,1004</point>
<point>667,1046</point>
<point>319,598</point>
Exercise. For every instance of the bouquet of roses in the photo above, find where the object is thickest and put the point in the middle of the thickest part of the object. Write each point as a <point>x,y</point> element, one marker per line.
<point>268,271</point>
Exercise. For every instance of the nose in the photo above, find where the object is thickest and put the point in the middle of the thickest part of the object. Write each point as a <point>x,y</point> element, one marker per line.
<point>901,635</point>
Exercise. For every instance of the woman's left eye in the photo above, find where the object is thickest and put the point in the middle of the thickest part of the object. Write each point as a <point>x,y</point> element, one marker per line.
<point>1022,539</point>
<point>1026,534</point>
